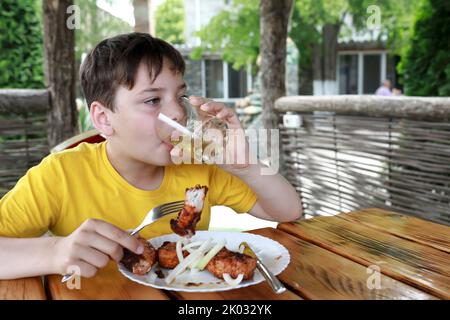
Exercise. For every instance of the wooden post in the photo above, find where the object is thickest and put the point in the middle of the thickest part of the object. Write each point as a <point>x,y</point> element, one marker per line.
<point>142,15</point>
<point>59,43</point>
<point>330,39</point>
<point>273,31</point>
<point>317,58</point>
<point>273,34</point>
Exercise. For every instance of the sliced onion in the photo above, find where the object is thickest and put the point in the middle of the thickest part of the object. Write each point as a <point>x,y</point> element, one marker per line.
<point>186,262</point>
<point>202,264</point>
<point>241,248</point>
<point>179,251</point>
<point>193,245</point>
<point>233,282</point>
<point>151,277</point>
<point>195,262</point>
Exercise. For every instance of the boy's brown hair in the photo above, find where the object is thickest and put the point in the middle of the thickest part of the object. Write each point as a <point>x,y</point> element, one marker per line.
<point>115,62</point>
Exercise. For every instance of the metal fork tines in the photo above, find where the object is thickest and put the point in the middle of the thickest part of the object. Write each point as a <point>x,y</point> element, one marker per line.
<point>171,207</point>
<point>159,212</point>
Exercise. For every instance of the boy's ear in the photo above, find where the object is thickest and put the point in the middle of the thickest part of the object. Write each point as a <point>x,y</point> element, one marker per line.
<point>101,118</point>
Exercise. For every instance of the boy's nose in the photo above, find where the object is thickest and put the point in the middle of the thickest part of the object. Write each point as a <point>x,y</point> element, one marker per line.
<point>176,112</point>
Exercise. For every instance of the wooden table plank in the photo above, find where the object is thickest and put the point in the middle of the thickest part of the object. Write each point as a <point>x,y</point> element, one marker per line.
<point>316,273</point>
<point>22,289</point>
<point>429,233</point>
<point>418,265</point>
<point>108,284</point>
<point>260,291</point>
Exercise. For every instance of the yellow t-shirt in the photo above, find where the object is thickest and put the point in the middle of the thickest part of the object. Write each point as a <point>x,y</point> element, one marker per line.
<point>71,186</point>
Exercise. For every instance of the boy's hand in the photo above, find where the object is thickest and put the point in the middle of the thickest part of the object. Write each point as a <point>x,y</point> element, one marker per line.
<point>91,246</point>
<point>235,133</point>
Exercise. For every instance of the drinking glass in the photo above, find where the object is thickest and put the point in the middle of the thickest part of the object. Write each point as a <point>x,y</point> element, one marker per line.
<point>195,134</point>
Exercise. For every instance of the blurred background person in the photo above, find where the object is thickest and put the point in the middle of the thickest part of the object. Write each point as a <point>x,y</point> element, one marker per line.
<point>384,89</point>
<point>397,92</point>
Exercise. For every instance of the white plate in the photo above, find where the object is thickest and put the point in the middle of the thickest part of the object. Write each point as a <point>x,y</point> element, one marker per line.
<point>274,255</point>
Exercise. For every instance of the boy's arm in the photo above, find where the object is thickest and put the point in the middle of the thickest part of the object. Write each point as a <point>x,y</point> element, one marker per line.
<point>89,247</point>
<point>24,216</point>
<point>277,199</point>
<point>26,257</point>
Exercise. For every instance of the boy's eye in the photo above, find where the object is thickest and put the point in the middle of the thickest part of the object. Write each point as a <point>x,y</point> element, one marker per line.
<point>153,101</point>
<point>183,98</point>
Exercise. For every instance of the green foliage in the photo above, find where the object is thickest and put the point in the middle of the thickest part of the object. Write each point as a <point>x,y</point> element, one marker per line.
<point>169,18</point>
<point>426,64</point>
<point>396,19</point>
<point>304,34</point>
<point>21,44</point>
<point>234,32</point>
<point>310,15</point>
<point>321,12</point>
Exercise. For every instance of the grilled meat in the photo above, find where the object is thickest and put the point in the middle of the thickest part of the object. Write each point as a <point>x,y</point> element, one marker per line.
<point>140,264</point>
<point>188,217</point>
<point>233,263</point>
<point>167,255</point>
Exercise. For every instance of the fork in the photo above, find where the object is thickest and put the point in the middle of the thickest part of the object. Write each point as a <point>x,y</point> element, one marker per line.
<point>153,215</point>
<point>157,213</point>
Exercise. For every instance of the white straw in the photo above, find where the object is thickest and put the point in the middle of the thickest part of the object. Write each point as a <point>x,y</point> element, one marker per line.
<point>174,124</point>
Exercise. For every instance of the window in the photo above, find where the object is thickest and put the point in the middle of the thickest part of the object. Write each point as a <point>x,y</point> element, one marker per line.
<point>237,83</point>
<point>361,72</point>
<point>371,73</point>
<point>214,78</point>
<point>221,81</point>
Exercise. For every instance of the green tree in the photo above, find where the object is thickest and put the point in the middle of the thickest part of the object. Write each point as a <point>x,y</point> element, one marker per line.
<point>315,27</point>
<point>396,19</point>
<point>21,46</point>
<point>426,64</point>
<point>169,18</point>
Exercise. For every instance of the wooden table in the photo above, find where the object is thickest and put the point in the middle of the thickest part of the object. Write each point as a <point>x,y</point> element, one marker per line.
<point>366,254</point>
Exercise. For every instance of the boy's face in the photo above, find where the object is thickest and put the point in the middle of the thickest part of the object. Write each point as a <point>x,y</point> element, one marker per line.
<point>136,111</point>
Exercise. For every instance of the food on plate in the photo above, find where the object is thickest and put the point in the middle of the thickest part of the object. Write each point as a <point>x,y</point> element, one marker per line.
<point>189,258</point>
<point>167,255</point>
<point>231,266</point>
<point>184,225</point>
<point>231,263</point>
<point>140,264</point>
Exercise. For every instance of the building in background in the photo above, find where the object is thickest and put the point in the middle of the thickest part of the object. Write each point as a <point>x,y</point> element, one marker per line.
<point>211,76</point>
<point>363,66</point>
<point>363,61</point>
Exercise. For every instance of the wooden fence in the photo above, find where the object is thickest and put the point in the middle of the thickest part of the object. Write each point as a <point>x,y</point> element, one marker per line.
<point>354,152</point>
<point>350,152</point>
<point>23,133</point>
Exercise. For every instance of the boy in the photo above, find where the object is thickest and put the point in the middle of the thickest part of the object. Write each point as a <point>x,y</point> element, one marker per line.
<point>88,196</point>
